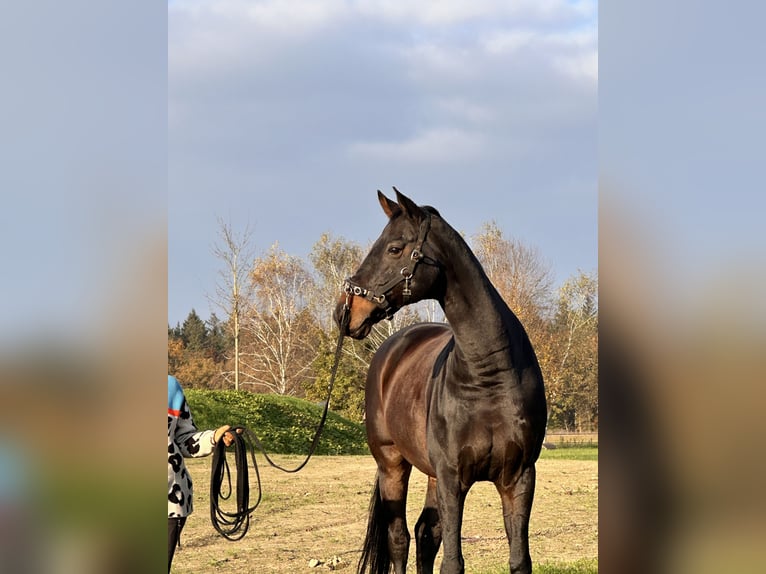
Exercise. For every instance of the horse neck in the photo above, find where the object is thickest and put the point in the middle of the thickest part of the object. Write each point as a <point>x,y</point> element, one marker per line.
<point>482,322</point>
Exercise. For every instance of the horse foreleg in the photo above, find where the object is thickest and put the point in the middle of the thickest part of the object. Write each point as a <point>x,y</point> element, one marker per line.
<point>428,531</point>
<point>517,506</point>
<point>450,494</point>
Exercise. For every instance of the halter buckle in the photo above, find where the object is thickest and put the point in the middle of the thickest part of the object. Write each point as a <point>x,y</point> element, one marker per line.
<point>407,274</point>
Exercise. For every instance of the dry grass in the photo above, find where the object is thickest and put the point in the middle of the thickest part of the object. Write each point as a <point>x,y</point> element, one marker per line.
<point>321,512</point>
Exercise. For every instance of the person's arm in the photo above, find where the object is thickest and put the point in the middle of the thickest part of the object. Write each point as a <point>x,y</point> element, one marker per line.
<point>194,443</point>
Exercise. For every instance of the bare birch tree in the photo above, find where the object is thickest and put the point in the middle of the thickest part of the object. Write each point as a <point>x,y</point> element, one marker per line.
<point>519,274</point>
<point>280,328</point>
<point>233,292</point>
<point>334,259</point>
<point>572,359</point>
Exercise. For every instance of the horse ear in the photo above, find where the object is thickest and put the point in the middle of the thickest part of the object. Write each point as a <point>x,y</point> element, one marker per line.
<point>390,208</point>
<point>409,207</point>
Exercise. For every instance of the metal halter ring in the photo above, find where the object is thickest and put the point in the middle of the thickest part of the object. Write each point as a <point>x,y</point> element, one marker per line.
<point>351,289</point>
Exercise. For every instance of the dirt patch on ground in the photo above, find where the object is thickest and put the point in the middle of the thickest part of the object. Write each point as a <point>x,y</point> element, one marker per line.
<point>320,513</point>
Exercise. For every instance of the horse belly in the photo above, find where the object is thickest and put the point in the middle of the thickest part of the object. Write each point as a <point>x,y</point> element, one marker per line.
<point>398,384</point>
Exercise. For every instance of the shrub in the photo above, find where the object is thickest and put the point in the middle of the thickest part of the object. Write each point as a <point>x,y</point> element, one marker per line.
<point>285,425</point>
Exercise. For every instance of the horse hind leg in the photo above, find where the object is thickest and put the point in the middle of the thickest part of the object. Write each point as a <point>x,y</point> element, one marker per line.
<point>388,541</point>
<point>393,491</point>
<point>517,506</point>
<point>428,531</point>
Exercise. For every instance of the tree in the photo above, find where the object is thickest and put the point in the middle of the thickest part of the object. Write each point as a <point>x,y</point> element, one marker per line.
<point>571,365</point>
<point>194,332</point>
<point>233,291</point>
<point>333,259</point>
<point>197,371</point>
<point>174,332</point>
<point>280,327</point>
<point>519,274</point>
<point>218,343</point>
<point>348,391</point>
<point>190,355</point>
<point>175,354</point>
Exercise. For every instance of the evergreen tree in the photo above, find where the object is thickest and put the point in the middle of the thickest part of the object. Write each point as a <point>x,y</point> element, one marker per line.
<point>174,332</point>
<point>217,343</point>
<point>194,332</point>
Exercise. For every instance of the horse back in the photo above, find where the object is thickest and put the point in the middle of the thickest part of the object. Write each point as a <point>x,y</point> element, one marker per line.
<point>398,391</point>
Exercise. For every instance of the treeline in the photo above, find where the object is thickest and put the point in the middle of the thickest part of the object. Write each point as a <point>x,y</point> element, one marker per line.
<point>278,335</point>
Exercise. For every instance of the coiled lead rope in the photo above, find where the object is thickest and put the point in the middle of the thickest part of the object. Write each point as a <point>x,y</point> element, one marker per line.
<point>234,525</point>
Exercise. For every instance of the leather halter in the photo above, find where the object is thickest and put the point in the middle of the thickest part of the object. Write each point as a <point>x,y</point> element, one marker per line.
<point>379,297</point>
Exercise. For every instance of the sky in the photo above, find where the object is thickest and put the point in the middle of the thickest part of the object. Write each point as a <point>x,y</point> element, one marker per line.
<point>288,116</point>
<point>122,123</point>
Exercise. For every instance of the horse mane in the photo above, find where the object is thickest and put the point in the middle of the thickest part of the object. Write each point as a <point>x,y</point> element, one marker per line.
<point>431,210</point>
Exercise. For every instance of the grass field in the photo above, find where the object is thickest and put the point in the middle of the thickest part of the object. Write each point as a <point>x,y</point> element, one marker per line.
<point>320,514</point>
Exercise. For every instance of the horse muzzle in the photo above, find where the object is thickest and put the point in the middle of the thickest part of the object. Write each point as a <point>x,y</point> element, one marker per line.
<point>355,316</point>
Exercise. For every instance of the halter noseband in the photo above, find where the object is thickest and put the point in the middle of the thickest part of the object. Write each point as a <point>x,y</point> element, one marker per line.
<point>406,273</point>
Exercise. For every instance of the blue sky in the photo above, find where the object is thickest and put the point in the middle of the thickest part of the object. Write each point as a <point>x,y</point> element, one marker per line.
<point>288,116</point>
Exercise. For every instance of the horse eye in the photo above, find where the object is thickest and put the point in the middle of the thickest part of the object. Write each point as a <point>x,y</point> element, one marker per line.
<point>393,250</point>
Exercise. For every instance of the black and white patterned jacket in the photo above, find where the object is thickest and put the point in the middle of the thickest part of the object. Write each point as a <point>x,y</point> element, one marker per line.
<point>184,440</point>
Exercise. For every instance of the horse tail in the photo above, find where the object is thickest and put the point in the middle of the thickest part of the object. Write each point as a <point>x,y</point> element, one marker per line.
<point>375,557</point>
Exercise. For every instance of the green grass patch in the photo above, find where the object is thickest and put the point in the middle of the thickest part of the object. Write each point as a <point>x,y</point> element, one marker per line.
<point>583,566</point>
<point>285,425</point>
<point>571,453</point>
<point>573,440</point>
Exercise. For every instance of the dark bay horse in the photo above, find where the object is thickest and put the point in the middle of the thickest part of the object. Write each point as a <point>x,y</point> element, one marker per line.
<point>462,402</point>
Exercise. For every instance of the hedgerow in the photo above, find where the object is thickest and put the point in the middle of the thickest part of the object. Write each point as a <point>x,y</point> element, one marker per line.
<point>285,425</point>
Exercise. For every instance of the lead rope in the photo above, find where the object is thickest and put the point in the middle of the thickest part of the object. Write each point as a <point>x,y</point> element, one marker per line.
<point>234,525</point>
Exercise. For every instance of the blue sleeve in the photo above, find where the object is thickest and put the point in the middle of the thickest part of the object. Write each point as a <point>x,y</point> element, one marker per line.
<point>175,396</point>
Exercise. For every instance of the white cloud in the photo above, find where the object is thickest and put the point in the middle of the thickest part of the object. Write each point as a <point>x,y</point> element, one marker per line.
<point>464,110</point>
<point>431,146</point>
<point>441,12</point>
<point>434,63</point>
<point>205,33</point>
<point>573,53</point>
<point>513,40</point>
<point>509,41</point>
<point>286,15</point>
<point>580,66</point>
<point>299,15</point>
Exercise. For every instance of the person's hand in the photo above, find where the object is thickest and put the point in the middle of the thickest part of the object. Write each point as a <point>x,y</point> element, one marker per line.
<point>223,432</point>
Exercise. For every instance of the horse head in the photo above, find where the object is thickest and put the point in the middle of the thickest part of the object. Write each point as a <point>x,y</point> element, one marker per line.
<point>399,269</point>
